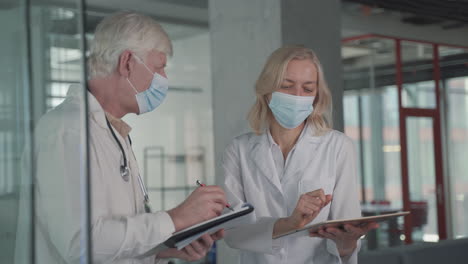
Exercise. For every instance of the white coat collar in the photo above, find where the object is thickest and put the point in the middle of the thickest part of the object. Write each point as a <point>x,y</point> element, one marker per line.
<point>305,151</point>
<point>95,109</point>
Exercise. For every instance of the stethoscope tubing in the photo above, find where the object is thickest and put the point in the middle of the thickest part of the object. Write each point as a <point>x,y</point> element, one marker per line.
<point>125,161</point>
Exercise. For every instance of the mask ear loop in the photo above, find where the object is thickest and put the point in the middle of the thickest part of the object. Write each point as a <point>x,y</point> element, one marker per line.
<point>139,61</point>
<point>144,64</point>
<point>136,92</point>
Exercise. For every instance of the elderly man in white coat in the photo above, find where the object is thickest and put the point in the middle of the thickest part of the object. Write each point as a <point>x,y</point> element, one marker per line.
<point>127,75</point>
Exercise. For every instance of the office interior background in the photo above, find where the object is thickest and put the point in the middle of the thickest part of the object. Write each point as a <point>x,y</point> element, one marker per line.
<point>398,71</point>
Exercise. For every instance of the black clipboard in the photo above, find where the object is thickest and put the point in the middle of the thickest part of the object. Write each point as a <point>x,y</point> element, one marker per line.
<point>204,226</point>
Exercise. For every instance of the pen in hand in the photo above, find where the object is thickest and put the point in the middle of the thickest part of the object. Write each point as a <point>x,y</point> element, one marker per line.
<point>199,183</point>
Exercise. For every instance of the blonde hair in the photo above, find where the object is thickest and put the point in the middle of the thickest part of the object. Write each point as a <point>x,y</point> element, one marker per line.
<point>125,31</point>
<point>270,80</point>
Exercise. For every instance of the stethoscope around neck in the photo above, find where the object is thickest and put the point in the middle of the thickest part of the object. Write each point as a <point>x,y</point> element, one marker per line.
<point>125,171</point>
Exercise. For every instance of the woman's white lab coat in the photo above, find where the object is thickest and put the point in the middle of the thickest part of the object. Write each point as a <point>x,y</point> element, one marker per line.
<point>327,162</point>
<point>121,231</point>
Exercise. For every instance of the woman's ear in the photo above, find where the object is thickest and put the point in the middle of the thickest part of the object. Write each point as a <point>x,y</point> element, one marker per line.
<point>126,64</point>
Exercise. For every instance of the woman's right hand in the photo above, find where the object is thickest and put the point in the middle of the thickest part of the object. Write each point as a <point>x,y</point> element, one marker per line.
<point>307,208</point>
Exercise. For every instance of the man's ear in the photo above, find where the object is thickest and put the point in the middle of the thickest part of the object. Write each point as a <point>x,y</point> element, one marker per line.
<point>126,64</point>
<point>162,59</point>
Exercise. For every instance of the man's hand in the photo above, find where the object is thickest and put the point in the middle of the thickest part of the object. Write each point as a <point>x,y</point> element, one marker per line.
<point>195,251</point>
<point>203,204</point>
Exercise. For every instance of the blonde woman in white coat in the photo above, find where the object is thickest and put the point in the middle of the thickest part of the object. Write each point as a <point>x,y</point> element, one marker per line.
<point>294,169</point>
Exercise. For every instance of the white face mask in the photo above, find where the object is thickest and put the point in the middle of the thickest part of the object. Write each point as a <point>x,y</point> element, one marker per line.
<point>290,110</point>
<point>151,98</point>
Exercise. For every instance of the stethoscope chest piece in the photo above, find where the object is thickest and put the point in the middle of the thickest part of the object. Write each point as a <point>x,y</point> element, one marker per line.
<point>125,173</point>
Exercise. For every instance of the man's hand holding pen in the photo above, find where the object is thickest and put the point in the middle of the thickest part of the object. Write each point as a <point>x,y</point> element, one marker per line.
<point>201,205</point>
<point>200,184</point>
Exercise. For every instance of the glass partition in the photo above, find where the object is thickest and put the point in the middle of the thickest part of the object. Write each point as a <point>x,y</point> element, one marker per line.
<point>41,56</point>
<point>455,86</point>
<point>435,149</point>
<point>43,62</point>
<point>15,133</point>
<point>417,73</point>
<point>372,121</point>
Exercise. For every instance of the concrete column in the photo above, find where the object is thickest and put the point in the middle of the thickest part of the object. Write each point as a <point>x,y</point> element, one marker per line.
<point>243,34</point>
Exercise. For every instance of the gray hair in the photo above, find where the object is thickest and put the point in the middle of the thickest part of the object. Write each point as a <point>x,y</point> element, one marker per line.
<point>125,31</point>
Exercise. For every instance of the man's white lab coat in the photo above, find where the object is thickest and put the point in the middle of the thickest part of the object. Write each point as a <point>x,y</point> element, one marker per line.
<point>121,231</point>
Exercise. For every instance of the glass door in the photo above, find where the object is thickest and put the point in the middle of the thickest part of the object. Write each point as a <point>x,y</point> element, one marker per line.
<point>418,80</point>
<point>422,178</point>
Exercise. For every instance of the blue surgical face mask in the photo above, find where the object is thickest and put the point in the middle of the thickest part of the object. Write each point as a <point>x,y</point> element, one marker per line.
<point>152,97</point>
<point>290,110</point>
